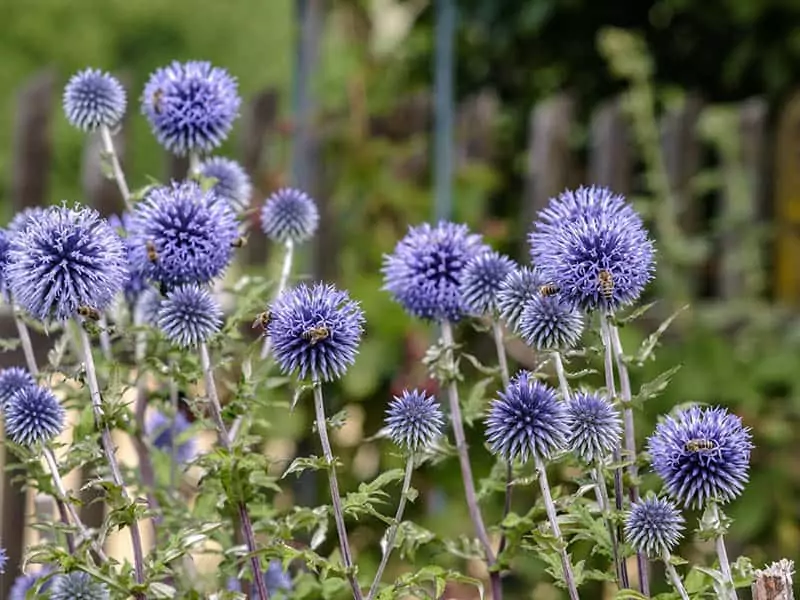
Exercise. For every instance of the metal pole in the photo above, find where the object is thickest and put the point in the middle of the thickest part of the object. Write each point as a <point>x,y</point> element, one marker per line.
<point>443,107</point>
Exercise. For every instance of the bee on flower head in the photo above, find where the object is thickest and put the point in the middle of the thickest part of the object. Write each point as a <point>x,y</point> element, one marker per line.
<point>700,445</point>
<point>152,254</point>
<point>605,283</point>
<point>87,312</point>
<point>548,289</point>
<point>157,101</point>
<point>316,334</point>
<point>239,242</point>
<point>262,320</point>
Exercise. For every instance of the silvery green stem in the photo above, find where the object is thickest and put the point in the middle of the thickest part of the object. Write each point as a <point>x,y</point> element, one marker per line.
<point>224,439</point>
<point>550,507</point>
<point>674,579</point>
<point>722,554</point>
<point>174,400</point>
<point>116,168</point>
<point>497,330</point>
<point>601,492</point>
<point>105,340</point>
<point>108,448</point>
<point>562,375</point>
<point>338,513</point>
<point>392,533</point>
<point>25,342</point>
<point>194,164</point>
<point>286,270</point>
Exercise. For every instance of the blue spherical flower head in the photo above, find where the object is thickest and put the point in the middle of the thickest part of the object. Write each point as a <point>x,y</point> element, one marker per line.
<point>518,288</point>
<point>594,425</point>
<point>315,331</point>
<point>191,106</point>
<point>481,281</point>
<point>13,380</point>
<point>20,220</point>
<point>414,420</point>
<point>78,586</point>
<point>289,215</point>
<point>189,315</point>
<point>653,526</point>
<point>24,583</point>
<point>160,429</point>
<point>33,415</point>
<point>230,181</point>
<point>278,581</point>
<point>63,260</point>
<point>94,99</point>
<point>3,560</point>
<point>5,244</point>
<point>425,272</point>
<point>147,306</point>
<point>702,454</point>
<point>527,421</point>
<point>587,202</point>
<point>182,234</point>
<point>135,284</point>
<point>549,323</point>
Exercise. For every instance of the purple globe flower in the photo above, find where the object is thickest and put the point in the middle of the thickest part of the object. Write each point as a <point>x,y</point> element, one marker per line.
<point>289,215</point>
<point>160,428</point>
<point>481,281</point>
<point>231,182</point>
<point>78,586</point>
<point>135,284</point>
<point>549,323</point>
<point>527,421</point>
<point>65,259</point>
<point>33,415</point>
<point>24,583</point>
<point>653,526</point>
<point>182,234</point>
<point>20,220</point>
<point>425,272</point>
<point>147,306</point>
<point>191,106</point>
<point>278,582</point>
<point>12,380</point>
<point>594,426</point>
<point>414,420</point>
<point>3,560</point>
<point>517,289</point>
<point>189,315</point>
<point>93,99</point>
<point>5,244</point>
<point>702,454</point>
<point>587,202</point>
<point>315,331</point>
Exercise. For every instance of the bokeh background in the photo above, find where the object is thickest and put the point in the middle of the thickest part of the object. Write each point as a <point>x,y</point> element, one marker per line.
<point>392,112</point>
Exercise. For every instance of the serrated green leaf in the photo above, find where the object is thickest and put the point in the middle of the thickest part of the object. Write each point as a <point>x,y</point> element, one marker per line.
<point>655,386</point>
<point>629,595</point>
<point>475,403</point>
<point>305,463</point>
<point>634,314</point>
<point>651,341</point>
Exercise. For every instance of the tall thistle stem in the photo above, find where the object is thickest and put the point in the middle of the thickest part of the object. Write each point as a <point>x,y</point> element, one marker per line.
<point>224,439</point>
<point>25,342</point>
<point>722,554</point>
<point>562,375</point>
<point>286,270</point>
<point>672,574</point>
<point>338,513</point>
<point>502,360</point>
<point>116,167</point>
<point>605,506</point>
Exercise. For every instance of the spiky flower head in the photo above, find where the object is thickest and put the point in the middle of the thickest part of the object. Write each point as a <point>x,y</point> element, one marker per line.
<point>587,202</point>
<point>518,288</point>
<point>653,526</point>
<point>147,306</point>
<point>425,271</point>
<point>315,331</point>
<point>189,315</point>
<point>481,281</point>
<point>24,583</point>
<point>164,432</point>
<point>135,284</point>
<point>289,215</point>
<point>702,454</point>
<point>527,421</point>
<point>549,323</point>
<point>33,415</point>
<point>594,426</point>
<point>600,258</point>
<point>277,580</point>
<point>191,106</point>
<point>231,182</point>
<point>20,220</point>
<point>414,420</point>
<point>5,244</point>
<point>64,259</point>
<point>93,99</point>
<point>12,380</point>
<point>3,560</point>
<point>78,586</point>
<point>182,234</point>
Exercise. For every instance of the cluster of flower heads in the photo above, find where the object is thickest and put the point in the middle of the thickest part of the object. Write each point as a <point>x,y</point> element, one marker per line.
<point>24,583</point>
<point>169,435</point>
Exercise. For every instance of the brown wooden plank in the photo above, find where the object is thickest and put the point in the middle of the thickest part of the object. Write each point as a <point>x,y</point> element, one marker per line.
<point>787,203</point>
<point>610,160</point>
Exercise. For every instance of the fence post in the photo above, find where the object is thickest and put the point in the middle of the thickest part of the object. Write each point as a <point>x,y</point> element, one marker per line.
<point>610,163</point>
<point>787,203</point>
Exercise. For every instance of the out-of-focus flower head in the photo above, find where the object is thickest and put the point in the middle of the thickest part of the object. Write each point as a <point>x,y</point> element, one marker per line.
<point>12,380</point>
<point>231,182</point>
<point>549,323</point>
<point>33,415</point>
<point>93,99</point>
<point>517,289</point>
<point>189,315</point>
<point>414,420</point>
<point>78,586</point>
<point>481,281</point>
<point>164,433</point>
<point>289,215</point>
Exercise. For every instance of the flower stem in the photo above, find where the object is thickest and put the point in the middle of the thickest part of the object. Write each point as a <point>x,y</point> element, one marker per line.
<point>116,168</point>
<point>25,341</point>
<point>105,339</point>
<point>108,448</point>
<point>174,400</point>
<point>506,505</point>
<point>392,534</point>
<point>466,469</point>
<point>222,433</point>
<point>605,507</point>
<point>562,375</point>
<point>194,164</point>
<point>497,330</point>
<point>722,555</point>
<point>286,270</point>
<point>673,576</point>
<point>569,578</point>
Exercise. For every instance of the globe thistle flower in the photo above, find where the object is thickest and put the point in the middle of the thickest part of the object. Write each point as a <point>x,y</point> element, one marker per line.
<point>289,215</point>
<point>315,331</point>
<point>3,560</point>
<point>135,283</point>
<point>65,259</point>
<point>549,323</point>
<point>160,428</point>
<point>702,454</point>
<point>24,583</point>
<point>12,380</point>
<point>527,421</point>
<point>147,306</point>
<point>275,578</point>
<point>231,182</point>
<point>426,269</point>
<point>481,281</point>
<point>594,425</point>
<point>518,288</point>
<point>414,420</point>
<point>33,415</point>
<point>191,106</point>
<point>94,99</point>
<point>182,234</point>
<point>20,220</point>
<point>587,202</point>
<point>653,526</point>
<point>78,586</point>
<point>189,315</point>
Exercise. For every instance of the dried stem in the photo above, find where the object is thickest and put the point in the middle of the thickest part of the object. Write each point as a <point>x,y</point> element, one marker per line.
<point>25,341</point>
<point>562,375</point>
<point>116,168</point>
<point>774,582</point>
<point>674,579</point>
<point>286,270</point>
<point>605,506</point>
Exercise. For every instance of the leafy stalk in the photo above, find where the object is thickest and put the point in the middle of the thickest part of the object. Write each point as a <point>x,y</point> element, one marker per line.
<point>562,375</point>
<point>722,553</point>
<point>674,579</point>
<point>116,168</point>
<point>601,492</point>
<point>286,270</point>
<point>25,341</point>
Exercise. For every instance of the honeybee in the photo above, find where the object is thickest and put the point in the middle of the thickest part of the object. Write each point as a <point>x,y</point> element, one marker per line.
<point>262,320</point>
<point>605,282</point>
<point>152,255</point>
<point>239,242</point>
<point>700,445</point>
<point>316,334</point>
<point>89,313</point>
<point>156,99</point>
<point>549,289</point>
